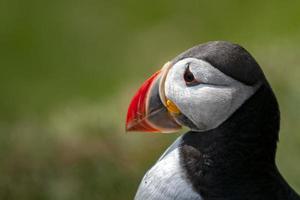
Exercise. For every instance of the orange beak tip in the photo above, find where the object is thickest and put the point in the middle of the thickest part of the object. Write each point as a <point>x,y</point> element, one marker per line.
<point>147,112</point>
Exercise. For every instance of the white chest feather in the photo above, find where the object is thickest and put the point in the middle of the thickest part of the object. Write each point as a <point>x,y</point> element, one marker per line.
<point>165,181</point>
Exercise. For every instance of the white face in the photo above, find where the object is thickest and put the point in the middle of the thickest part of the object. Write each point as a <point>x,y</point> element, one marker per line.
<point>205,95</point>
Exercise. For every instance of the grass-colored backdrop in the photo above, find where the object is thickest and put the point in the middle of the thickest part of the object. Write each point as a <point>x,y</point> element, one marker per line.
<point>69,69</point>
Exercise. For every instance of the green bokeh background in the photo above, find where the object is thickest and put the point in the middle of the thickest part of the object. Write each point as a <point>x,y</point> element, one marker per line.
<point>69,69</point>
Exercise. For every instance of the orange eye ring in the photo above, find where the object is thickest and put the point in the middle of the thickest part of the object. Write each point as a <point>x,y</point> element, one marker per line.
<point>189,77</point>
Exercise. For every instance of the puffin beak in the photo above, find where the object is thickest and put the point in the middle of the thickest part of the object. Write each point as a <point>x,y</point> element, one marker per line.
<point>149,110</point>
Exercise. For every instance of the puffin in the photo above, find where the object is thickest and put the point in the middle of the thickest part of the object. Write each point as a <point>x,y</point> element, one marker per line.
<point>220,93</point>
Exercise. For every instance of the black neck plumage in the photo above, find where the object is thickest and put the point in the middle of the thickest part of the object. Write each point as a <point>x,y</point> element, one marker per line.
<point>237,159</point>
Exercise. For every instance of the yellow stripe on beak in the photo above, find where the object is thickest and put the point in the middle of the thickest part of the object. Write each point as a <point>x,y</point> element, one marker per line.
<point>172,108</point>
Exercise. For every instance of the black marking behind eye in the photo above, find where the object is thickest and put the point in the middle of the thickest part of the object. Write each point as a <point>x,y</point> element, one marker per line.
<point>189,77</point>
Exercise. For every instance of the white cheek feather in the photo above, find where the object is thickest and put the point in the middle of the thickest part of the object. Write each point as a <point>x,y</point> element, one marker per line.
<point>166,181</point>
<point>210,103</point>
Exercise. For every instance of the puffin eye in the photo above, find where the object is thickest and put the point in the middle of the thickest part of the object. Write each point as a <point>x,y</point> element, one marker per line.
<point>189,77</point>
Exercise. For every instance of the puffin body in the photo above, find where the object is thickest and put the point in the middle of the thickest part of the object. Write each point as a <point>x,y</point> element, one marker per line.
<point>167,180</point>
<point>218,90</point>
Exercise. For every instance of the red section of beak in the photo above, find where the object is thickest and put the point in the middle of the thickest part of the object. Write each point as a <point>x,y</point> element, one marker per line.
<point>136,115</point>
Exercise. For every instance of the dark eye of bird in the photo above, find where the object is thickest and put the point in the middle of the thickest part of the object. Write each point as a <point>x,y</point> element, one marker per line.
<point>189,77</point>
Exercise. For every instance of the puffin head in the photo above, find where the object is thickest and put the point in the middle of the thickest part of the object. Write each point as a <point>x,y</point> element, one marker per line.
<point>200,89</point>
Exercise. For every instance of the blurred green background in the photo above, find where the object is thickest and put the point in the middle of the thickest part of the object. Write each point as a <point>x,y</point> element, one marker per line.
<point>70,68</point>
